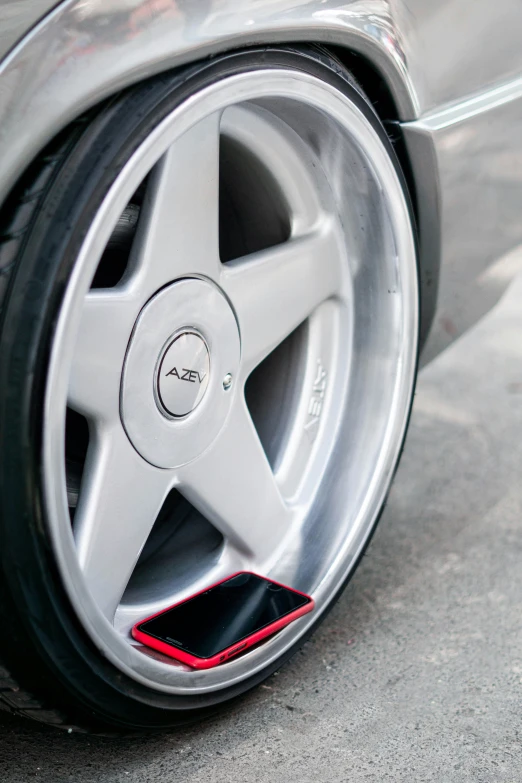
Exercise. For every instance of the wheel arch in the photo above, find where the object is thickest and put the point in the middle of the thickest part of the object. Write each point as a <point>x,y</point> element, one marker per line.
<point>70,61</point>
<point>93,61</point>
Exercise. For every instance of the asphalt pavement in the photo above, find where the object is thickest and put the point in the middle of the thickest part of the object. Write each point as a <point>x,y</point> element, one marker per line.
<point>416,675</point>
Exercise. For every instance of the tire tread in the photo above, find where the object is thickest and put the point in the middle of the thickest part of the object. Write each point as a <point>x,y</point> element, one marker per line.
<point>16,221</point>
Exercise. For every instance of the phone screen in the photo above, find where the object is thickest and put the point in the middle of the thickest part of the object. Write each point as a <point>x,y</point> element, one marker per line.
<point>224,615</point>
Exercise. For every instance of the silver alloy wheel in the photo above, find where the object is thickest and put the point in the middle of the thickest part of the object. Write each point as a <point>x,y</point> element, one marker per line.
<point>343,285</point>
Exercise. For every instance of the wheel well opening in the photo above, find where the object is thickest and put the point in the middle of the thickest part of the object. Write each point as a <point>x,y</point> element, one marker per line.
<point>380,96</point>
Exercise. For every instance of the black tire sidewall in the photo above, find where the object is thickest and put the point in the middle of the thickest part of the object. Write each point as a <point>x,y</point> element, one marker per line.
<point>44,644</point>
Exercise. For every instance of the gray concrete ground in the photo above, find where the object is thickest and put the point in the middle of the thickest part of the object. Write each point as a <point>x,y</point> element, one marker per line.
<point>417,673</point>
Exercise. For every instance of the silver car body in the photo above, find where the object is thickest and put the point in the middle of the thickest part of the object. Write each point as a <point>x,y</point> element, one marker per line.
<point>453,70</point>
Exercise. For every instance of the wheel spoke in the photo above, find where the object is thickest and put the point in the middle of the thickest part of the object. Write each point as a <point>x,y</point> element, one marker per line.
<point>232,484</point>
<point>275,290</point>
<point>105,327</point>
<point>120,498</point>
<point>178,233</point>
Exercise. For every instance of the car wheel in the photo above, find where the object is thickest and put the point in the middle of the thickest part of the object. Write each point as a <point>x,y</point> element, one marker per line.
<point>248,215</point>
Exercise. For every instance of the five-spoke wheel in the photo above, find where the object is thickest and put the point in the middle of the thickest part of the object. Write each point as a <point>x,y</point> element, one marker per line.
<point>225,337</point>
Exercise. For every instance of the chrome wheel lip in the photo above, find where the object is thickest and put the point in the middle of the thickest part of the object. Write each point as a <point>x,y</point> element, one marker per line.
<point>154,673</point>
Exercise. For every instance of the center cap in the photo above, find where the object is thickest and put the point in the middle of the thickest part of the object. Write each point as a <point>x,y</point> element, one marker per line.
<point>167,372</point>
<point>183,374</point>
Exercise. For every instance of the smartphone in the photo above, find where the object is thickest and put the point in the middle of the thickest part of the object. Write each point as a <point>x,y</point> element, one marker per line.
<point>212,626</point>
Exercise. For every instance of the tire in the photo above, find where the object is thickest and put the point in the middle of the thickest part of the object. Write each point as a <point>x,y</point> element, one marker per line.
<point>54,667</point>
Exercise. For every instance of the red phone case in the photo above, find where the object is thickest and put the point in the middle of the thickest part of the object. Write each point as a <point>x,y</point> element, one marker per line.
<point>207,663</point>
